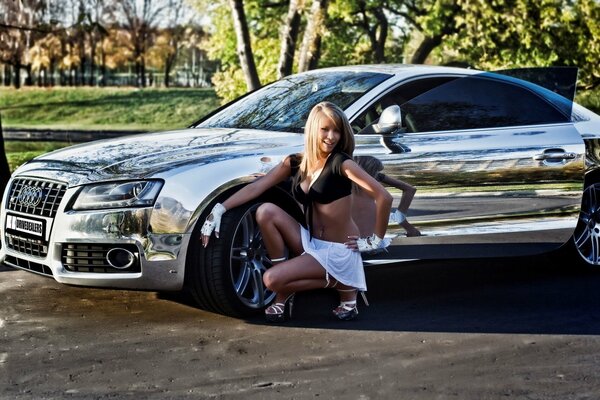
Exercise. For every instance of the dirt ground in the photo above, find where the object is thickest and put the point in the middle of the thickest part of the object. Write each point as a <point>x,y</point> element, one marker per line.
<point>519,329</point>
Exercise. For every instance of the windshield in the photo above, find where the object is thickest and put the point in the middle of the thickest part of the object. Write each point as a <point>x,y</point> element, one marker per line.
<point>284,105</point>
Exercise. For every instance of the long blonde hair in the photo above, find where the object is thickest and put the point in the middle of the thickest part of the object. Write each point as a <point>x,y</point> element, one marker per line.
<point>322,110</point>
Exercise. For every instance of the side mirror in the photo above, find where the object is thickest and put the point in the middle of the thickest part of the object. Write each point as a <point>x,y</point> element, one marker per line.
<point>389,121</point>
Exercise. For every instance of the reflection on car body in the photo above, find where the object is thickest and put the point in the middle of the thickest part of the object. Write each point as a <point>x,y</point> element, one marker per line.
<point>503,167</point>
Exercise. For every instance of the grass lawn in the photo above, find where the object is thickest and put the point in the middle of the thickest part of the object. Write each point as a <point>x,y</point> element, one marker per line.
<point>90,108</point>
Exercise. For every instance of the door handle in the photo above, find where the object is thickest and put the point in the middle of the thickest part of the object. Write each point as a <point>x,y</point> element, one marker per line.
<point>554,156</point>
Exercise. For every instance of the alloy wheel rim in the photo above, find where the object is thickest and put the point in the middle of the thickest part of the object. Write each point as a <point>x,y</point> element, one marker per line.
<point>248,263</point>
<point>587,232</point>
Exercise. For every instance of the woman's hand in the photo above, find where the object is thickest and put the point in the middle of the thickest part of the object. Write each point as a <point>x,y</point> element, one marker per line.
<point>371,243</point>
<point>213,222</point>
<point>367,244</point>
<point>352,243</point>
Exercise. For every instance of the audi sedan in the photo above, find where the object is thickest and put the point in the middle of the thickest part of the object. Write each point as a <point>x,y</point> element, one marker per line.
<point>505,164</point>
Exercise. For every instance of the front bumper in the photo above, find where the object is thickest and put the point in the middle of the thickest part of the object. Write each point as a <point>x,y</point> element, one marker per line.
<point>71,246</point>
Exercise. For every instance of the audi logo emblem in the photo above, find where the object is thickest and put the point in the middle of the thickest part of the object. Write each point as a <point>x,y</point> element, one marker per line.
<point>30,196</point>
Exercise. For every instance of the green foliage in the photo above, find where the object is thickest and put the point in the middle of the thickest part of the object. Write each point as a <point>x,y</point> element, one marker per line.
<point>517,33</point>
<point>264,23</point>
<point>589,99</point>
<point>344,41</point>
<point>486,34</point>
<point>104,108</point>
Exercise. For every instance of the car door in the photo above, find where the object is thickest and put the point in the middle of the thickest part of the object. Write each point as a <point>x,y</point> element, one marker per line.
<point>497,165</point>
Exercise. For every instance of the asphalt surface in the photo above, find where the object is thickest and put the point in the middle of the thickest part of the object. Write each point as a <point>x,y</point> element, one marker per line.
<point>525,328</point>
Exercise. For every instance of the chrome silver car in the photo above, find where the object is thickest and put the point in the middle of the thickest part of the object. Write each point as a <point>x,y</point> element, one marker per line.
<point>503,167</point>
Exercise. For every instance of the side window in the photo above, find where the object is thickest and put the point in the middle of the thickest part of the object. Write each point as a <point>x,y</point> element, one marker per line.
<point>398,97</point>
<point>436,104</point>
<point>474,102</point>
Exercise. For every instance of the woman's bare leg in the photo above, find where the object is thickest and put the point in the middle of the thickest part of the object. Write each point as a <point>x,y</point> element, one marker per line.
<point>295,275</point>
<point>279,230</point>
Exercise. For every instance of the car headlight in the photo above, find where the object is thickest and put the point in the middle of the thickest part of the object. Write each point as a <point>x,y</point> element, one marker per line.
<point>118,195</point>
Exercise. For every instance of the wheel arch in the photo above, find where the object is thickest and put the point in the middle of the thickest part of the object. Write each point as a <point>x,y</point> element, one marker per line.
<point>279,195</point>
<point>592,160</point>
<point>200,279</point>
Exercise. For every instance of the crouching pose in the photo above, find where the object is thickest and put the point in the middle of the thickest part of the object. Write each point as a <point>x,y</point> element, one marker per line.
<point>325,252</point>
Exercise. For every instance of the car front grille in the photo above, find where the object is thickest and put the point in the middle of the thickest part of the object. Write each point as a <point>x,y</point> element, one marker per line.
<point>37,198</point>
<point>26,245</point>
<point>79,257</point>
<point>28,265</point>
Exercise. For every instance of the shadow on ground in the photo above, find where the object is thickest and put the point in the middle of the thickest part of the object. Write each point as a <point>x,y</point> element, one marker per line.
<point>524,295</point>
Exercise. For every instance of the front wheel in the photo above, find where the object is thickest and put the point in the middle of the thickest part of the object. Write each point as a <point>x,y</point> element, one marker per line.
<point>226,276</point>
<point>586,238</point>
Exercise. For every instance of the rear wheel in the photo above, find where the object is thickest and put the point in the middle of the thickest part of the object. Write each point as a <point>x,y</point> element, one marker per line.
<point>226,277</point>
<point>586,237</point>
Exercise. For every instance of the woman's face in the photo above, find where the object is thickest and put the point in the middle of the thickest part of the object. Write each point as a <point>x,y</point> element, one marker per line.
<point>328,136</point>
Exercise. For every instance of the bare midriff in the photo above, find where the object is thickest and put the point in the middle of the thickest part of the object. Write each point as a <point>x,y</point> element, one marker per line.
<point>333,221</point>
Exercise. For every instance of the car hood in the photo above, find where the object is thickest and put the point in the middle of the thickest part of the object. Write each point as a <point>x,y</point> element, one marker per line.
<point>156,154</point>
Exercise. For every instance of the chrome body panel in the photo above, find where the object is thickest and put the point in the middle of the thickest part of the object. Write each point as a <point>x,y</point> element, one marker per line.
<point>481,192</point>
<point>162,232</point>
<point>485,187</point>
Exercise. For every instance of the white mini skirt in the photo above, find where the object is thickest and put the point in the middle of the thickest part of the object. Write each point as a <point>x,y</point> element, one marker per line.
<point>340,262</point>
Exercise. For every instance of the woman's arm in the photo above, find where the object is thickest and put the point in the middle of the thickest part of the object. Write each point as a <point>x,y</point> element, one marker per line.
<point>260,185</point>
<point>244,195</point>
<point>383,200</point>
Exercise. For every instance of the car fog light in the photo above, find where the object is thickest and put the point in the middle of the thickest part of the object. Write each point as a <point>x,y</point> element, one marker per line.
<point>120,258</point>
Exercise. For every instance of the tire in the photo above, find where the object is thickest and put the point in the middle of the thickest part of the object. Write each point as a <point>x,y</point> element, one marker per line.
<point>586,237</point>
<point>226,277</point>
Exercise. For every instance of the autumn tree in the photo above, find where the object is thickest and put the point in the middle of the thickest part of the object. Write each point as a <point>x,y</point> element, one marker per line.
<point>18,21</point>
<point>93,21</point>
<point>140,18</point>
<point>181,31</point>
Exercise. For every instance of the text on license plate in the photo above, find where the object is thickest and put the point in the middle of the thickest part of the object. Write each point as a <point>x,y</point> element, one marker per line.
<point>25,225</point>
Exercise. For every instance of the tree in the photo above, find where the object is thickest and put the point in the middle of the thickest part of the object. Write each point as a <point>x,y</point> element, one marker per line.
<point>140,18</point>
<point>93,14</point>
<point>4,169</point>
<point>436,20</point>
<point>310,51</point>
<point>289,38</point>
<point>517,33</point>
<point>244,46</point>
<point>18,20</point>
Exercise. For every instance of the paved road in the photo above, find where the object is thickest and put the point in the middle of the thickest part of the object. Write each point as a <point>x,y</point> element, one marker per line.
<point>519,329</point>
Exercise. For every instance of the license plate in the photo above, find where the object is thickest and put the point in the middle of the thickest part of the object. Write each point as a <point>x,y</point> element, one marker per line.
<point>26,225</point>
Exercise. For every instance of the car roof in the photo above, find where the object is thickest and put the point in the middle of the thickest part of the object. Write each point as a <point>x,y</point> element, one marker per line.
<point>400,70</point>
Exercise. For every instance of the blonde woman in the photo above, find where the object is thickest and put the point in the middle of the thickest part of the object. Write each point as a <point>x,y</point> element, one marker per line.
<point>326,250</point>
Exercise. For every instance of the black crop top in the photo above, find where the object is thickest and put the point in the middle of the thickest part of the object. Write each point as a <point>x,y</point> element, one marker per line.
<point>330,185</point>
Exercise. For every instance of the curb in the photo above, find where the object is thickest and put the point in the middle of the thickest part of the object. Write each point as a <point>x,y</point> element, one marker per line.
<point>58,135</point>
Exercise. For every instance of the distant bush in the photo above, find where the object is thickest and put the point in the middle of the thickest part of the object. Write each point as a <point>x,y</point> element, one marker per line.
<point>590,99</point>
